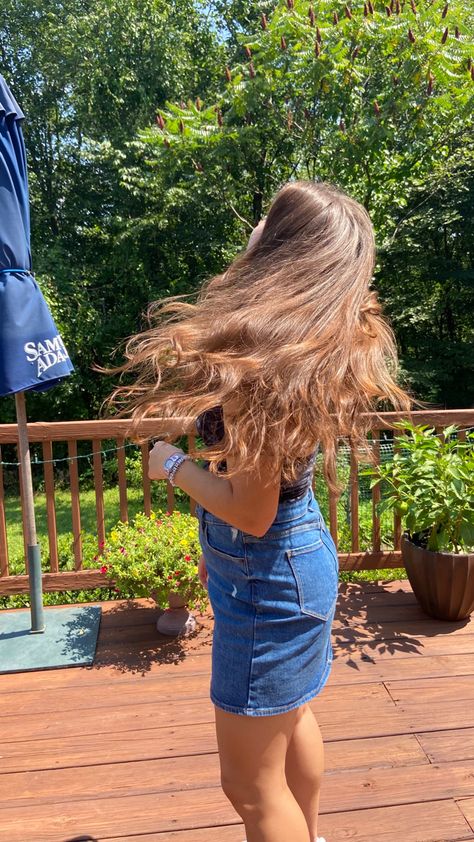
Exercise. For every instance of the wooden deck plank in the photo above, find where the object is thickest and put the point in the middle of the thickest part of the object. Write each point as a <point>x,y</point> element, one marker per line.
<point>136,663</point>
<point>448,746</point>
<point>227,833</point>
<point>347,668</point>
<point>358,828</point>
<point>466,806</point>
<point>341,790</point>
<point>84,750</point>
<point>441,689</point>
<point>357,669</point>
<point>141,665</point>
<point>399,642</point>
<point>405,646</point>
<point>435,632</point>
<point>336,723</point>
<point>161,689</point>
<point>203,808</point>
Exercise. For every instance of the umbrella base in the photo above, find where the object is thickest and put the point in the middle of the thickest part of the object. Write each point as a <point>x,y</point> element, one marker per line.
<point>69,639</point>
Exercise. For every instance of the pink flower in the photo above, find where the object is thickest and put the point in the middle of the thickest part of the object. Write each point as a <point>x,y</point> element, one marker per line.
<point>102,544</point>
<point>104,568</point>
<point>167,514</point>
<point>187,558</point>
<point>123,550</point>
<point>178,573</point>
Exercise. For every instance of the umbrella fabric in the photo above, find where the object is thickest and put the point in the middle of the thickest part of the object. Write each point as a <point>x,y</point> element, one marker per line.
<point>32,352</point>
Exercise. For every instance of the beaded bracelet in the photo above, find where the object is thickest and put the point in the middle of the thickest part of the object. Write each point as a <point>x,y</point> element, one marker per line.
<point>173,463</point>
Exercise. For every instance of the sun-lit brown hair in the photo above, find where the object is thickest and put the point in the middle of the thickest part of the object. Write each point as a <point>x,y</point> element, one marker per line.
<point>290,336</point>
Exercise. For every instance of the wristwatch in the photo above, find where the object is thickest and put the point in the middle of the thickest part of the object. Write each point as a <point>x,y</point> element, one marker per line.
<point>172,463</point>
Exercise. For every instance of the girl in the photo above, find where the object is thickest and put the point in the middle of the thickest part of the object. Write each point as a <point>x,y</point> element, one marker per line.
<point>283,352</point>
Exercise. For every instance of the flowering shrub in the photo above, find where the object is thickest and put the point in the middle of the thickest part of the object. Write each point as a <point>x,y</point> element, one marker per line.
<point>152,556</point>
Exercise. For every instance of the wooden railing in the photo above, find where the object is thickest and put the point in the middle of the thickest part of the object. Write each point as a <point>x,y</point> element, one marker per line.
<point>95,431</point>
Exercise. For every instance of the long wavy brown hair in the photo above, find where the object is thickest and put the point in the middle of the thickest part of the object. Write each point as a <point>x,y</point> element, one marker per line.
<point>290,339</point>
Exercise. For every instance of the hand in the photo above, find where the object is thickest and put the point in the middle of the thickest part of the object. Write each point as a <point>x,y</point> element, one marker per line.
<point>202,572</point>
<point>157,458</point>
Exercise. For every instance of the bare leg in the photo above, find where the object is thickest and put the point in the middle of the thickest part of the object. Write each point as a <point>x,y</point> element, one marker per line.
<point>305,766</point>
<point>252,752</point>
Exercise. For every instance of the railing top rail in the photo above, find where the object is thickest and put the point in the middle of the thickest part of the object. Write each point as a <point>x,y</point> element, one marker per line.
<point>105,428</point>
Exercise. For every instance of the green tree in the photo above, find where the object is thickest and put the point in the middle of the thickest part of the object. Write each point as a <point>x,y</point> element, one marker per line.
<point>88,74</point>
<point>378,99</point>
<point>157,134</point>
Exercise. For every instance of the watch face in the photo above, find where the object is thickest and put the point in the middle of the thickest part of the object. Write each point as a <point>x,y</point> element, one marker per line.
<point>169,461</point>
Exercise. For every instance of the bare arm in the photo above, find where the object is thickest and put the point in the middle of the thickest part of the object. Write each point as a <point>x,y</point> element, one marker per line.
<point>247,501</point>
<point>244,501</point>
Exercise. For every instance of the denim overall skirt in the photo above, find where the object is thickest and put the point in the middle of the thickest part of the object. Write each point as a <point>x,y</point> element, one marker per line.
<point>273,600</point>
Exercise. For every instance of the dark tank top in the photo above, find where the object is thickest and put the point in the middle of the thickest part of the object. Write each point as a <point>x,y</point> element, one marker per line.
<point>210,427</point>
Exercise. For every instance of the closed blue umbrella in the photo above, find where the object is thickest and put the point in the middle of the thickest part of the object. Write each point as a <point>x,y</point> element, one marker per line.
<point>32,353</point>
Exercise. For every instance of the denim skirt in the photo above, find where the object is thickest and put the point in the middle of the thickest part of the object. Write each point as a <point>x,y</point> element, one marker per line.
<point>273,600</point>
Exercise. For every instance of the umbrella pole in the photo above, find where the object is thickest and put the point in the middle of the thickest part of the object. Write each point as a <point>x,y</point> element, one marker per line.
<point>33,548</point>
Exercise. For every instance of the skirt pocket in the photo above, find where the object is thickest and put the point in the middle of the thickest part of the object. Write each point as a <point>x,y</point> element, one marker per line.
<point>222,541</point>
<point>316,579</point>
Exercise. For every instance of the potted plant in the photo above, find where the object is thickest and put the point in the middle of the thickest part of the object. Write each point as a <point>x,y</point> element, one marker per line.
<point>429,482</point>
<point>157,556</point>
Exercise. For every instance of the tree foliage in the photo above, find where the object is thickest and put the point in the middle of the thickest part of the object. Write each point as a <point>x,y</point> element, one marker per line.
<point>157,134</point>
<point>378,99</point>
<point>87,75</point>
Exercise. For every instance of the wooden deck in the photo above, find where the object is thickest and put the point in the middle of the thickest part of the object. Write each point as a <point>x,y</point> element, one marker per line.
<point>125,750</point>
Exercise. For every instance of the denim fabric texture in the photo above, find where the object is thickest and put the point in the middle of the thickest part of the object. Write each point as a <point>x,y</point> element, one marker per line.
<point>273,600</point>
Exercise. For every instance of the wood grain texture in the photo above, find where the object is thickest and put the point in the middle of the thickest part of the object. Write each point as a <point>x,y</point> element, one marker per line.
<point>4,561</point>
<point>109,428</point>
<point>122,479</point>
<point>50,505</point>
<point>75,507</point>
<point>99,491</point>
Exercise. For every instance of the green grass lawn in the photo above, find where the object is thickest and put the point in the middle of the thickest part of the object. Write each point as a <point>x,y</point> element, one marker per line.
<point>135,504</point>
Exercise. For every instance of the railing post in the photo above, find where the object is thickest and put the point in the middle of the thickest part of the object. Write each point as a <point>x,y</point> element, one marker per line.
<point>23,509</point>
<point>75,503</point>
<point>376,496</point>
<point>122,479</point>
<point>50,506</point>
<point>354,487</point>
<point>146,480</point>
<point>397,521</point>
<point>191,446</point>
<point>4,569</point>
<point>99,490</point>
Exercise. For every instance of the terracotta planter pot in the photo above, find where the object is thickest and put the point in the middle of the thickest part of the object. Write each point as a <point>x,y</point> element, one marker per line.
<point>176,620</point>
<point>175,600</point>
<point>443,583</point>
